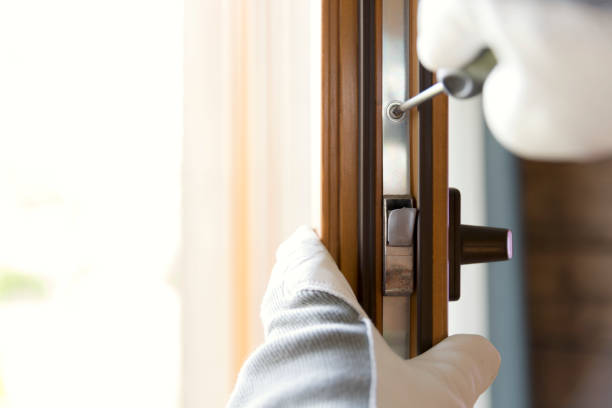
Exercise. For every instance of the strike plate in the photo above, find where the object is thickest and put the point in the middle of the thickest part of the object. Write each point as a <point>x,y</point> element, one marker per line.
<point>398,279</point>
<point>396,150</point>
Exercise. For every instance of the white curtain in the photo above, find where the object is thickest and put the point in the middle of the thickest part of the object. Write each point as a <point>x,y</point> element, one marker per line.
<point>250,171</point>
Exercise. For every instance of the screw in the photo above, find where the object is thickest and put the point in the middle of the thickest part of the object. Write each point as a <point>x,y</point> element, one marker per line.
<point>394,113</point>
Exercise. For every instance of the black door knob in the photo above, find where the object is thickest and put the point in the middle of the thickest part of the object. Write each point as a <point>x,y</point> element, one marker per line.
<point>470,244</point>
<point>484,244</point>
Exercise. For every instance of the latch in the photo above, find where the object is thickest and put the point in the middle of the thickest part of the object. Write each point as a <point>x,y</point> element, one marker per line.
<point>400,219</point>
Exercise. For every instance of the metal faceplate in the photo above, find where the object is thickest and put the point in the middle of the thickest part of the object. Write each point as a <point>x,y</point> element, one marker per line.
<point>396,149</point>
<point>399,230</point>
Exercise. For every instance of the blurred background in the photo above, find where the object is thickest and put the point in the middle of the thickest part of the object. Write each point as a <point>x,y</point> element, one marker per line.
<point>153,154</point>
<point>152,157</point>
<point>91,123</point>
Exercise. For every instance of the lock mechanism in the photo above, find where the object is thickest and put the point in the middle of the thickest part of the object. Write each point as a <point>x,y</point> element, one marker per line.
<point>467,244</point>
<point>399,242</point>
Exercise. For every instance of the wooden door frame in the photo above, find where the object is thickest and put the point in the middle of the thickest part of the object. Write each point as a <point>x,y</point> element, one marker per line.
<point>340,134</point>
<point>351,224</point>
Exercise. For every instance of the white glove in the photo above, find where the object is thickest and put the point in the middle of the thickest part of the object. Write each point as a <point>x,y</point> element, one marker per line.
<point>322,350</point>
<point>549,96</point>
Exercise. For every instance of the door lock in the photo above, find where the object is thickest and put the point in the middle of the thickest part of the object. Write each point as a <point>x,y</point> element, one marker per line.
<point>467,244</point>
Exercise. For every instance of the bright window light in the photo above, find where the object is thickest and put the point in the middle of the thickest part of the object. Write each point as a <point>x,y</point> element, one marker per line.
<point>90,163</point>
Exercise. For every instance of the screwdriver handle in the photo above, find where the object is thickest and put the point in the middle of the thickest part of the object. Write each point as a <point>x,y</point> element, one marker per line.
<point>467,81</point>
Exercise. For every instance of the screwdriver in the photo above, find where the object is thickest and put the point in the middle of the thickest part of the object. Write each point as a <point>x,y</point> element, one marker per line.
<point>460,83</point>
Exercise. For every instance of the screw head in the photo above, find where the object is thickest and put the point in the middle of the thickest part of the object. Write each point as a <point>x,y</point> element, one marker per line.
<point>393,112</point>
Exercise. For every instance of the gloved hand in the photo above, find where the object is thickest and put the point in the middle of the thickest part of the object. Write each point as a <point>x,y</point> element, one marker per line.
<point>322,350</point>
<point>549,96</point>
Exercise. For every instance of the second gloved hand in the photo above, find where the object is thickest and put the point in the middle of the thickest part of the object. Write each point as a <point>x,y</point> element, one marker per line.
<point>549,95</point>
<point>322,350</point>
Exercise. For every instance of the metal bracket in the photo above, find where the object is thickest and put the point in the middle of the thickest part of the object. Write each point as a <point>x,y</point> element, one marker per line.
<point>395,159</point>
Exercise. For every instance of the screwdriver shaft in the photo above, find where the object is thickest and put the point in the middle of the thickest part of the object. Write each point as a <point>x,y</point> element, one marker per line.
<point>418,99</point>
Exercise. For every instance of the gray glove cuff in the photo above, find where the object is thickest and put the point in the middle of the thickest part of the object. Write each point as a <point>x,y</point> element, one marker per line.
<point>316,354</point>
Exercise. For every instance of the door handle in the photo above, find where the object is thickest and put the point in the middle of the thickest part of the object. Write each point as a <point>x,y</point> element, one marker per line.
<point>469,244</point>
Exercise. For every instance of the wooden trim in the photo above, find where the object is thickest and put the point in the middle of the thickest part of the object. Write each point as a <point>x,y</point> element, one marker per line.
<point>379,169</point>
<point>429,142</point>
<point>329,133</point>
<point>340,134</point>
<point>413,86</point>
<point>440,219</point>
<point>370,163</point>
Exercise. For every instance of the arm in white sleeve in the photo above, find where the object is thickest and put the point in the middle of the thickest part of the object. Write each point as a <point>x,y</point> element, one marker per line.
<point>549,95</point>
<point>322,350</point>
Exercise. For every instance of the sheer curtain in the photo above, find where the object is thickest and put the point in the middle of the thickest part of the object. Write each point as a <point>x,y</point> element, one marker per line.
<point>250,172</point>
<point>152,157</point>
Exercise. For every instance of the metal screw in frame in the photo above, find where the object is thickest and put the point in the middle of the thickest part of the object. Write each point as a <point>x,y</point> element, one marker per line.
<point>394,113</point>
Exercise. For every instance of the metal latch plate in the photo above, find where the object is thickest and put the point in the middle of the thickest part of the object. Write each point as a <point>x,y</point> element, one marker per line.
<point>399,230</point>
